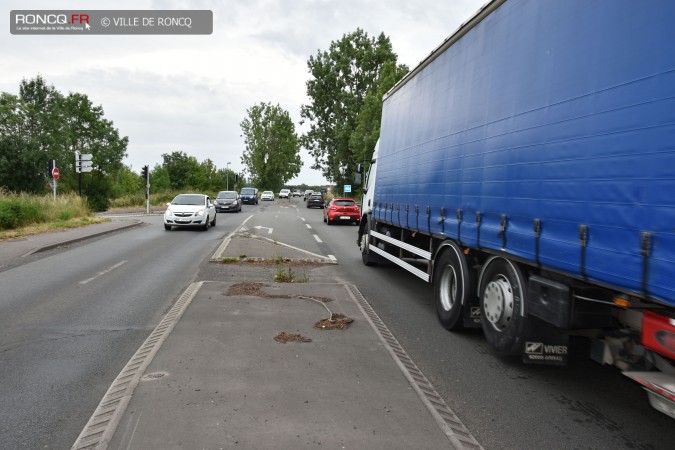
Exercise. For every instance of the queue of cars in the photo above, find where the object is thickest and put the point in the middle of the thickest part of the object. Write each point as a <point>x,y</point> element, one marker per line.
<point>199,211</point>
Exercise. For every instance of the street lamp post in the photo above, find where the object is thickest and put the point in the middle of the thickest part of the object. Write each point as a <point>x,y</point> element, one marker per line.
<point>227,175</point>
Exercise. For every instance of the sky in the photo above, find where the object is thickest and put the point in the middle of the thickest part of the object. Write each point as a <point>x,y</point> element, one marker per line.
<point>190,93</point>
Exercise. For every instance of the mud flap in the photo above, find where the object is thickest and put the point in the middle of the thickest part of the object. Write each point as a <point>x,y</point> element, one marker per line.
<point>545,345</point>
<point>472,315</point>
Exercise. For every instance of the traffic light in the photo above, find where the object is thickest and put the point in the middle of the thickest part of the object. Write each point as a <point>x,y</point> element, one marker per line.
<point>144,173</point>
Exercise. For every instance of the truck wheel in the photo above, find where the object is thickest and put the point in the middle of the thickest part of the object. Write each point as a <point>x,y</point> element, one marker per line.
<point>454,286</point>
<point>501,299</point>
<point>368,258</point>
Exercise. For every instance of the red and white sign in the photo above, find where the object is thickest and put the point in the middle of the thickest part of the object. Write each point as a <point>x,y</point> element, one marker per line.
<point>55,173</point>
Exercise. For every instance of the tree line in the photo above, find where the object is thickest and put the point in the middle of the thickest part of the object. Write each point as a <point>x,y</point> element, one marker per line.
<point>345,89</point>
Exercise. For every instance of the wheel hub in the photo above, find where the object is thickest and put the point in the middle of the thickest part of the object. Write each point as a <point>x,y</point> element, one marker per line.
<point>448,288</point>
<point>498,303</point>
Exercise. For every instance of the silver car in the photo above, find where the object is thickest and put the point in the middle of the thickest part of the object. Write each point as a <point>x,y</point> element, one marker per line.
<point>190,210</point>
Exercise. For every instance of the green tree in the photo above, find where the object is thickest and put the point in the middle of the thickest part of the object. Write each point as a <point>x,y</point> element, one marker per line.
<point>342,78</point>
<point>159,179</point>
<point>41,124</point>
<point>180,168</point>
<point>364,137</point>
<point>272,154</point>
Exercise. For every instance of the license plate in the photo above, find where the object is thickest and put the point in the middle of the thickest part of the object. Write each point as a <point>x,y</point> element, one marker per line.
<point>182,220</point>
<point>345,218</point>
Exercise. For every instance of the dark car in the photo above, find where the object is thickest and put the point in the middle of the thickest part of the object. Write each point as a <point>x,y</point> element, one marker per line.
<point>227,201</point>
<point>342,210</point>
<point>315,201</point>
<point>249,195</point>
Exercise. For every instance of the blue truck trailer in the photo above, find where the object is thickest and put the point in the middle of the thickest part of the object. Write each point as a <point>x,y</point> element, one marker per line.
<point>526,168</point>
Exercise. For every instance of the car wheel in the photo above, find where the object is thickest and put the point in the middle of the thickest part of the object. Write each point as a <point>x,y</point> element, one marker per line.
<point>206,225</point>
<point>453,285</point>
<point>329,222</point>
<point>502,296</point>
<point>167,227</point>
<point>213,223</point>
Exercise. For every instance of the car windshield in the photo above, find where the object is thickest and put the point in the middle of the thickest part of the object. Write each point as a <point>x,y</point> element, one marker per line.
<point>247,191</point>
<point>267,192</point>
<point>344,203</point>
<point>227,195</point>
<point>188,200</point>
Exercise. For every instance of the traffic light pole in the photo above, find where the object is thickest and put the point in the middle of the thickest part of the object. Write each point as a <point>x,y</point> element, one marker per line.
<point>147,194</point>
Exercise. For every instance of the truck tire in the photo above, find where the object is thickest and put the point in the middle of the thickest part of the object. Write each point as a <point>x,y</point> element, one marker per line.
<point>454,286</point>
<point>368,258</point>
<point>502,295</point>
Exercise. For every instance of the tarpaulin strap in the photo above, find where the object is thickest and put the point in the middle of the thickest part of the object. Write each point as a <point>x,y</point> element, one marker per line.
<point>429,219</point>
<point>502,230</point>
<point>537,235</point>
<point>478,221</point>
<point>459,225</point>
<point>646,249</point>
<point>407,222</point>
<point>417,217</point>
<point>398,212</point>
<point>583,239</point>
<point>442,220</point>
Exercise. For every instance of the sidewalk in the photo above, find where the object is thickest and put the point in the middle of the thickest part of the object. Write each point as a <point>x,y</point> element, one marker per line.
<point>14,250</point>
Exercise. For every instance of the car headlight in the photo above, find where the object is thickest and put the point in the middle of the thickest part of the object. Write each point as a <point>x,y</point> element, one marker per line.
<point>199,213</point>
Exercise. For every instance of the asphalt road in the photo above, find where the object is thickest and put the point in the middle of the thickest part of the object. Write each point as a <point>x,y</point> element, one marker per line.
<point>71,320</point>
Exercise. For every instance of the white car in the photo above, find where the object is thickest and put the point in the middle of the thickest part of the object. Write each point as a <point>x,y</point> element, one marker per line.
<point>267,195</point>
<point>285,193</point>
<point>190,210</point>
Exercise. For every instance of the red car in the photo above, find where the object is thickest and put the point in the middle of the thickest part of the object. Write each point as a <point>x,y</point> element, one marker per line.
<point>342,210</point>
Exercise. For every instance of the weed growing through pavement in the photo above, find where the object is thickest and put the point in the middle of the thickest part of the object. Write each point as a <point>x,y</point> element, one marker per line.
<point>229,260</point>
<point>287,275</point>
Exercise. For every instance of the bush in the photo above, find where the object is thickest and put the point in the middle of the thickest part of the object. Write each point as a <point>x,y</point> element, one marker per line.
<point>20,210</point>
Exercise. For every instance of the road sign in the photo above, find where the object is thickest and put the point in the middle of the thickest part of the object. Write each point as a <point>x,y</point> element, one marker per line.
<point>55,173</point>
<point>86,156</point>
<point>348,188</point>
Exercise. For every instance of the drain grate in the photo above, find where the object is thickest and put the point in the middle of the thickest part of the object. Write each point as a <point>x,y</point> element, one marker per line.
<point>102,424</point>
<point>458,434</point>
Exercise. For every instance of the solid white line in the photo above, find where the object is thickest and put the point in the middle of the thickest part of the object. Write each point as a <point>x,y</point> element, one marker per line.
<point>318,239</point>
<point>332,257</point>
<point>228,238</point>
<point>103,272</point>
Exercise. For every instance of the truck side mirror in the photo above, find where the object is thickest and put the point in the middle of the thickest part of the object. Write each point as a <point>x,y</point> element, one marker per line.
<point>357,178</point>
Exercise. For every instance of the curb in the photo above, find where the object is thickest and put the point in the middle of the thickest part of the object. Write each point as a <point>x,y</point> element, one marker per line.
<point>44,248</point>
